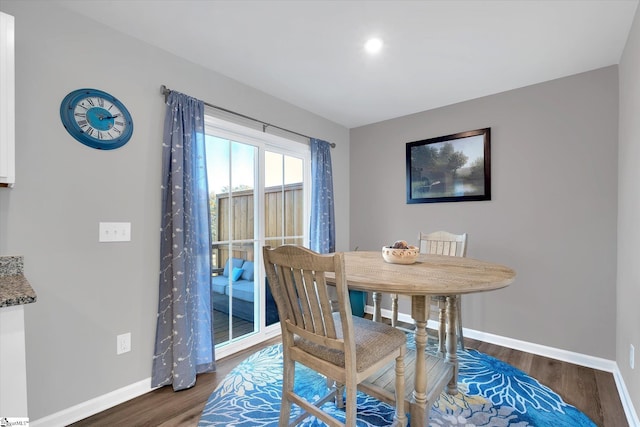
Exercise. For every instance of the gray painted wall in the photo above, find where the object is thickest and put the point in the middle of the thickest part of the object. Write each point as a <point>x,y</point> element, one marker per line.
<point>552,216</point>
<point>628,289</point>
<point>89,292</point>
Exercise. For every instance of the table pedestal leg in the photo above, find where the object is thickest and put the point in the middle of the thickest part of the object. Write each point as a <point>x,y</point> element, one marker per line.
<point>420,314</point>
<point>452,344</point>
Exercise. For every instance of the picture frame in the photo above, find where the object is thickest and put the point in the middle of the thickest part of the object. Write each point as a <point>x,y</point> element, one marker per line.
<point>451,168</point>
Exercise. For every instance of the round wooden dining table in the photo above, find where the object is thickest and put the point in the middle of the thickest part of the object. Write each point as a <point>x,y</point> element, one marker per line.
<point>430,275</point>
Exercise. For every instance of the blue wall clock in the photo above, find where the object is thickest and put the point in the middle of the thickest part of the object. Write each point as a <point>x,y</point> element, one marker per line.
<point>96,119</point>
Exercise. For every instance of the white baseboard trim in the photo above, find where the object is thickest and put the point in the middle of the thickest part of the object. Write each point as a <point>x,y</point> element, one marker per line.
<point>627,404</point>
<point>542,350</point>
<point>93,406</point>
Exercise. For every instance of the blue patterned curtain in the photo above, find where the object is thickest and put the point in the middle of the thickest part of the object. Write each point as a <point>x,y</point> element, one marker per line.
<point>184,334</point>
<point>322,236</point>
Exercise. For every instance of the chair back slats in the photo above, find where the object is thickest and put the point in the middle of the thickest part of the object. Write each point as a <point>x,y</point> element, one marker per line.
<point>443,243</point>
<point>289,294</point>
<point>312,316</point>
<point>305,283</point>
<point>325,307</point>
<point>321,306</point>
<point>442,248</point>
<point>303,293</point>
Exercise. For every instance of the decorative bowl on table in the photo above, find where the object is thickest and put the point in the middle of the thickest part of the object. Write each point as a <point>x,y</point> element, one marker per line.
<point>400,254</point>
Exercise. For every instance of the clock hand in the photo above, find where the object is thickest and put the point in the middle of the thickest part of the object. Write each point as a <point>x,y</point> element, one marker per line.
<point>110,117</point>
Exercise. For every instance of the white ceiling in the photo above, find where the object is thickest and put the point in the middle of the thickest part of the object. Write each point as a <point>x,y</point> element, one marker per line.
<point>436,53</point>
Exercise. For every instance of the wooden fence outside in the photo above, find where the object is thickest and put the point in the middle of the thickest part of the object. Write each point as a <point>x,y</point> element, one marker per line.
<point>280,203</point>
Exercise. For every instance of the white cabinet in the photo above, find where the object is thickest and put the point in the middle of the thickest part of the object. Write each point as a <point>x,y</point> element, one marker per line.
<point>13,363</point>
<point>7,101</point>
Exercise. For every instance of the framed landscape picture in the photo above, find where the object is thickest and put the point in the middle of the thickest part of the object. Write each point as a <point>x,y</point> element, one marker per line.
<point>451,168</point>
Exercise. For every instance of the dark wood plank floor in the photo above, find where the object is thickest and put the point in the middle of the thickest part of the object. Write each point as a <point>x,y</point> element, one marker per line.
<point>593,392</point>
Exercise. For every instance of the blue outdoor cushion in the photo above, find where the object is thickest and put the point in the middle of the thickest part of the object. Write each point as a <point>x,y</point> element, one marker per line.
<point>237,272</point>
<point>247,271</point>
<point>235,262</point>
<point>219,284</point>
<point>241,290</point>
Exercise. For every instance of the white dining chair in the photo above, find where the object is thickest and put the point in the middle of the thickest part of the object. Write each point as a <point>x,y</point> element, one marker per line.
<point>440,243</point>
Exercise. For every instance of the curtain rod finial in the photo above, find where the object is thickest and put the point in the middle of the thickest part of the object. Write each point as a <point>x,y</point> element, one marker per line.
<point>165,91</point>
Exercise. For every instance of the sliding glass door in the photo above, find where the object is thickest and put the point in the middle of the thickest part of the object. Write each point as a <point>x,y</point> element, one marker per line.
<point>257,196</point>
<point>283,207</point>
<point>232,190</point>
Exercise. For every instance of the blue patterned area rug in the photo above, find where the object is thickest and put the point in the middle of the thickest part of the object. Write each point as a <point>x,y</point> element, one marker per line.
<point>491,393</point>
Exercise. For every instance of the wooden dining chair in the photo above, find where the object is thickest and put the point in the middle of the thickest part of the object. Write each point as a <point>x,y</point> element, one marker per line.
<point>342,347</point>
<point>440,243</point>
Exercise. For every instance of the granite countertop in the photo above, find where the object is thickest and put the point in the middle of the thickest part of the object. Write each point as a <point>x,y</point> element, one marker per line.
<point>14,287</point>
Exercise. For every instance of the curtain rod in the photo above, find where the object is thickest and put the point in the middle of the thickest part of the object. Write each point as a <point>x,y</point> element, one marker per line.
<point>166,91</point>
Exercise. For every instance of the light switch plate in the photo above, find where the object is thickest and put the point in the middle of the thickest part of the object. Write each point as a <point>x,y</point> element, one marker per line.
<point>114,232</point>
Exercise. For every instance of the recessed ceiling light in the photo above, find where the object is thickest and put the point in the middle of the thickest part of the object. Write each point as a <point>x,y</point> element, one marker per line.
<point>373,45</point>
